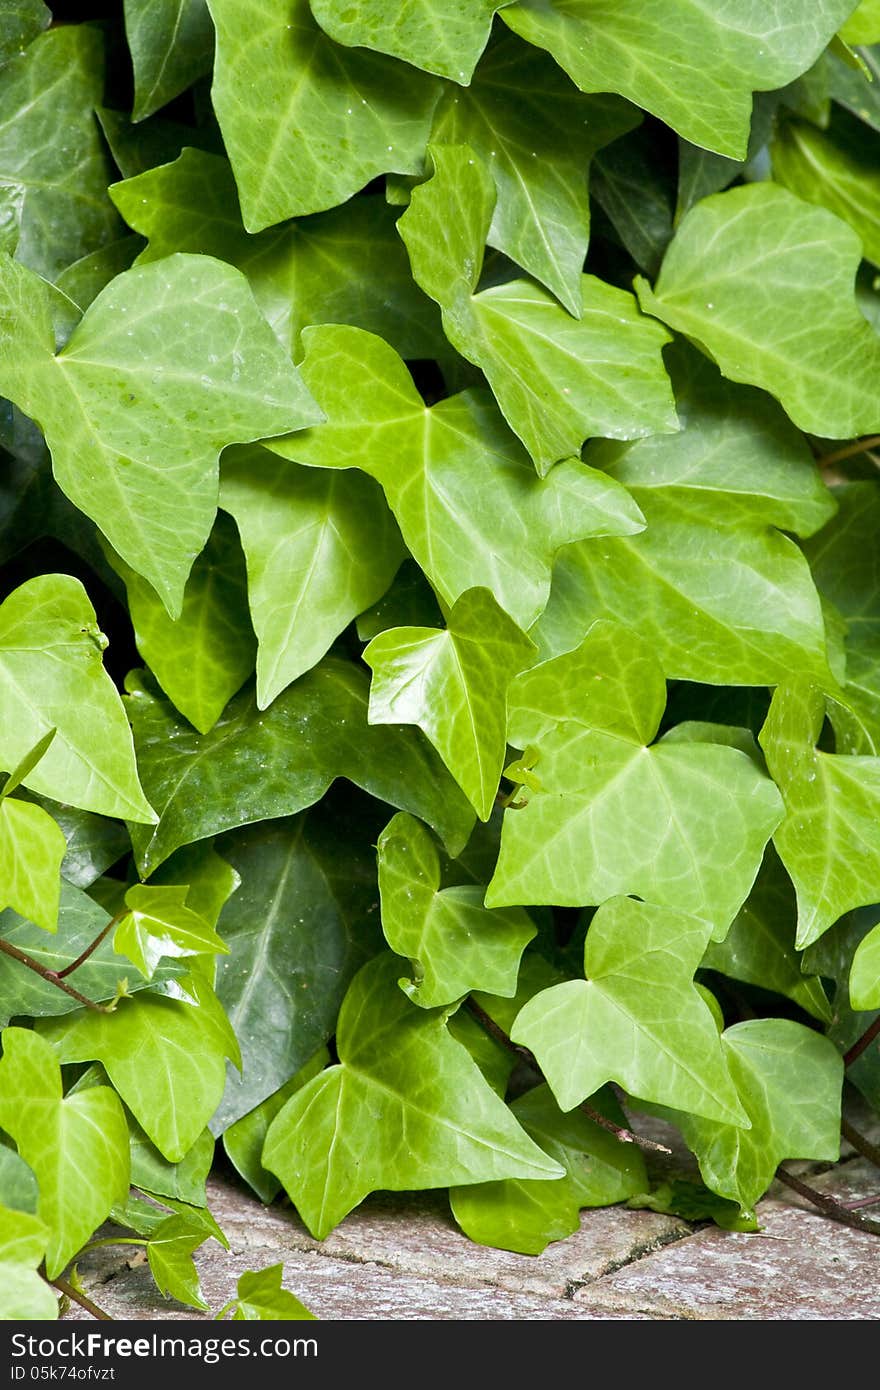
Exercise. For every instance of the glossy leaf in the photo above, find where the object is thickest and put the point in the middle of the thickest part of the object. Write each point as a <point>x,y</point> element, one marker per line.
<point>315,98</point>
<point>76,1143</point>
<point>556,379</point>
<point>261,1298</point>
<point>338,1138</point>
<point>171,44</point>
<point>23,1294</point>
<point>441,36</point>
<point>184,1180</point>
<point>136,415</point>
<point>31,850</point>
<point>21,21</point>
<point>159,923</point>
<point>244,1139</point>
<point>170,1254</point>
<point>453,942</point>
<point>463,491</point>
<point>749,273</point>
<point>864,979</point>
<point>453,684</point>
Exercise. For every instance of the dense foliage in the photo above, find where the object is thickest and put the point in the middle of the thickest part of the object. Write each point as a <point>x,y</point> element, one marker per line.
<point>451,412</point>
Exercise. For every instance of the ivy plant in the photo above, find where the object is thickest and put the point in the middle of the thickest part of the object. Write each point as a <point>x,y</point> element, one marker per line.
<point>440,615</point>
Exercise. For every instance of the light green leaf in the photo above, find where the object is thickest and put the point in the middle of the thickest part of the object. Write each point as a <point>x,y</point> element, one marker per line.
<point>164,1056</point>
<point>748,276</point>
<point>78,1144</point>
<point>170,1253</point>
<point>321,547</point>
<point>204,656</point>
<point>315,100</point>
<point>682,824</point>
<point>262,1299</point>
<point>453,942</point>
<point>51,676</point>
<point>171,44</point>
<point>94,843</point>
<point>788,1079</point>
<point>863,26</point>
<point>864,978</point>
<point>159,924</point>
<point>31,850</point>
<point>442,36</point>
<point>536,135</point>
<point>54,169</point>
<point>556,379</point>
<point>466,498</point>
<point>338,1138</point>
<point>257,765</point>
<point>302,923</point>
<point>453,685</point>
<point>837,170</point>
<point>519,1214</point>
<point>244,1140</point>
<point>346,265</point>
<point>636,1019</point>
<point>20,22</point>
<point>27,764</point>
<point>693,65</point>
<point>23,1294</point>
<point>832,803</point>
<point>171,362</point>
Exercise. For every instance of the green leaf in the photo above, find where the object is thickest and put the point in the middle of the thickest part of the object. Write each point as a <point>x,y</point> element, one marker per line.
<point>519,1214</point>
<point>453,684</point>
<point>170,1253</point>
<point>136,415</point>
<point>262,1299</point>
<point>536,134</point>
<point>855,89</point>
<point>159,924</point>
<point>338,1138</point>
<point>748,277</point>
<point>683,824</point>
<point>302,923</point>
<point>863,25</point>
<point>470,508</point>
<point>693,66</point>
<point>54,169</point>
<point>164,1056</point>
<point>184,1179</point>
<point>20,22</point>
<point>77,1145</point>
<point>23,1294</point>
<point>453,942</point>
<point>693,1201</point>
<point>636,1019</point>
<point>18,1185</point>
<point>441,36</point>
<point>204,656</point>
<point>171,44</point>
<point>788,1079</point>
<point>31,850</point>
<point>244,1140</point>
<point>51,676</point>
<point>633,190</point>
<point>84,280</point>
<point>346,265</point>
<point>556,379</point>
<point>94,843</point>
<point>834,169</point>
<point>832,956</point>
<point>320,546</point>
<point>832,802</point>
<point>315,101</point>
<point>27,764</point>
<point>864,978</point>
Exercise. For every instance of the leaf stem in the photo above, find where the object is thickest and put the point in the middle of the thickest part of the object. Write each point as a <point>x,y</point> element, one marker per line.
<point>84,955</point>
<point>858,446</point>
<point>625,1136</point>
<point>112,1240</point>
<point>861,1043</point>
<point>829,1206</point>
<point>860,1143</point>
<point>63,1286</point>
<point>53,977</point>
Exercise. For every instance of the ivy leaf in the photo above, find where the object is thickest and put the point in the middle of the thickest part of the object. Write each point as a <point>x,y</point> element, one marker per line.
<point>536,134</point>
<point>637,1018</point>
<point>171,45</point>
<point>18,1185</point>
<point>607,814</point>
<point>338,1138</point>
<point>23,1294</point>
<point>453,942</point>
<point>320,547</point>
<point>470,508</point>
<point>864,978</point>
<point>166,1058</point>
<point>453,685</point>
<point>832,802</point>
<point>32,847</point>
<point>863,25</point>
<point>657,56</point>
<point>632,189</point>
<point>136,415</point>
<point>747,276</point>
<point>440,36</point>
<point>522,1215</point>
<point>556,379</point>
<point>315,100</point>
<point>301,924</point>
<point>74,1144</point>
<point>159,924</point>
<point>54,169</point>
<point>51,676</point>
<point>257,765</point>
<point>20,22</point>
<point>170,1254</point>
<point>205,655</point>
<point>262,1299</point>
<point>346,265</point>
<point>184,1180</point>
<point>832,168</point>
<point>244,1139</point>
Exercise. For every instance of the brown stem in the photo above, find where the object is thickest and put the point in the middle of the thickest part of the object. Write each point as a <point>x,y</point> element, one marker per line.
<point>861,1043</point>
<point>84,955</point>
<point>52,976</point>
<point>829,1205</point>
<point>858,446</point>
<point>626,1136</point>
<point>860,1143</point>
<point>63,1286</point>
